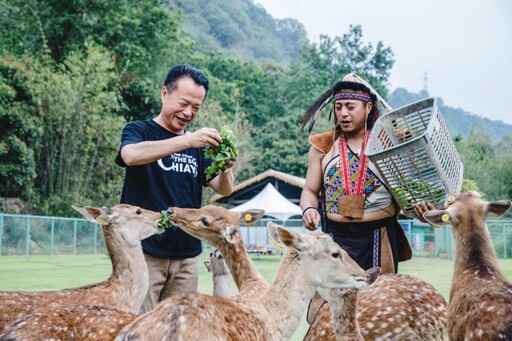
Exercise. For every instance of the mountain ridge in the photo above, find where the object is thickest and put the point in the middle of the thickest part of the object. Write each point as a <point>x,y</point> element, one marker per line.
<point>458,120</point>
<point>244,30</point>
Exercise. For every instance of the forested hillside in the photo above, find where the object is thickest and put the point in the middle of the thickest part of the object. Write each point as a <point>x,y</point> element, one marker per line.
<point>242,29</point>
<point>458,121</point>
<point>72,76</point>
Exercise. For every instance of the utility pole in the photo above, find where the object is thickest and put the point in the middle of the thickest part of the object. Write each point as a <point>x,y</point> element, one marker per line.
<point>425,81</point>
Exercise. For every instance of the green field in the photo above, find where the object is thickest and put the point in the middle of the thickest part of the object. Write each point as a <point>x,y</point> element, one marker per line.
<point>58,272</point>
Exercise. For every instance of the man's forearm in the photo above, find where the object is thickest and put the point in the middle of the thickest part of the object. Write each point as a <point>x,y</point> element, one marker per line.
<point>308,198</point>
<point>223,183</point>
<point>145,152</point>
<point>226,182</point>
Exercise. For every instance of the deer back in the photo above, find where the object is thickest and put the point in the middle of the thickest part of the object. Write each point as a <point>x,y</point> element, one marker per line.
<point>79,323</point>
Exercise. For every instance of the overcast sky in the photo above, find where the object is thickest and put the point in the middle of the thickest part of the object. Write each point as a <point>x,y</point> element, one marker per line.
<point>463,46</point>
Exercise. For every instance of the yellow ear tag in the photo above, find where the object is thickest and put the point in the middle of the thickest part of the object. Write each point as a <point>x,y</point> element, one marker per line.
<point>436,227</point>
<point>101,221</point>
<point>280,247</point>
<point>248,217</point>
<point>445,217</point>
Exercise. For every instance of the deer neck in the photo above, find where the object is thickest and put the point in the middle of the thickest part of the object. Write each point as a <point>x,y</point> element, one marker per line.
<point>129,269</point>
<point>221,285</point>
<point>475,252</point>
<point>343,312</point>
<point>242,268</point>
<point>287,297</point>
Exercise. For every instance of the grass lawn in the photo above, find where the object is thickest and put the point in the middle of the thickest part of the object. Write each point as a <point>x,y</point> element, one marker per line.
<point>58,272</point>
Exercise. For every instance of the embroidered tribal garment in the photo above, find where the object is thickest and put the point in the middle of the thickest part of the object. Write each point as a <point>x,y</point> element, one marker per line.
<point>376,195</point>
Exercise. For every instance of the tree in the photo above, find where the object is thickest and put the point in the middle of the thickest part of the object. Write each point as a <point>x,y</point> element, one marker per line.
<point>20,128</point>
<point>283,146</point>
<point>501,174</point>
<point>487,164</point>
<point>130,30</point>
<point>78,102</point>
<point>136,33</point>
<point>326,62</point>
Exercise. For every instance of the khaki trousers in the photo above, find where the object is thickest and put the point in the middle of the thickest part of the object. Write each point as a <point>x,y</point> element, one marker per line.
<point>169,277</point>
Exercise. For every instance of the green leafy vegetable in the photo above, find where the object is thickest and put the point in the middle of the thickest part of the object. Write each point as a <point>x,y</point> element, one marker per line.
<point>221,154</point>
<point>416,190</point>
<point>165,222</point>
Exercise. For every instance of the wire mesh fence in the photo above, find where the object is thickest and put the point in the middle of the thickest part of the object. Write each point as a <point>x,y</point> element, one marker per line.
<point>43,235</point>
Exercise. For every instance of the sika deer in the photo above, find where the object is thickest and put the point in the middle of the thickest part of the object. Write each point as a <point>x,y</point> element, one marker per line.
<point>481,297</point>
<point>416,311</point>
<point>395,307</point>
<point>311,261</point>
<point>78,323</point>
<point>220,273</point>
<point>221,229</point>
<point>124,226</point>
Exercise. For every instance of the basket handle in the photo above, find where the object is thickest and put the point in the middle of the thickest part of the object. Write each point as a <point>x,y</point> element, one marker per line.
<point>381,100</point>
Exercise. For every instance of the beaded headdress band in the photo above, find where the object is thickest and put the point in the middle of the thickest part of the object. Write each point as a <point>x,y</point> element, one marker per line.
<point>352,94</point>
<point>340,90</point>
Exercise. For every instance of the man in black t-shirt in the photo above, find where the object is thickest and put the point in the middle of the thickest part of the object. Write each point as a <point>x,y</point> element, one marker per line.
<point>165,167</point>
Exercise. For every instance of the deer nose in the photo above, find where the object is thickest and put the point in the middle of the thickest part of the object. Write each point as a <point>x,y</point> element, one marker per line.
<point>170,212</point>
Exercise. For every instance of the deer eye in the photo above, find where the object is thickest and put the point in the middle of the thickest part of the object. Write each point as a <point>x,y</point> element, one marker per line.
<point>205,221</point>
<point>336,254</point>
<point>139,211</point>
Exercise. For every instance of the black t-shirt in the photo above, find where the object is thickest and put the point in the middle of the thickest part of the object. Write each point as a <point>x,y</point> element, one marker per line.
<point>176,180</point>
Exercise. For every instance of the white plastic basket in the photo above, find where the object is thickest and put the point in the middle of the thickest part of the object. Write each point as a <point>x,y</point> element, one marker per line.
<point>415,155</point>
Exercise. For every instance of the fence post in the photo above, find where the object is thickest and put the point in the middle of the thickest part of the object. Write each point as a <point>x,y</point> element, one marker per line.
<point>449,242</point>
<point>1,231</point>
<point>249,227</point>
<point>52,236</point>
<point>27,237</point>
<point>95,238</point>
<point>74,236</point>
<point>504,238</point>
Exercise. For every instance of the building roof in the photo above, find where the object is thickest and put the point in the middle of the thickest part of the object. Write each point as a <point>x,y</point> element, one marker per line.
<point>290,186</point>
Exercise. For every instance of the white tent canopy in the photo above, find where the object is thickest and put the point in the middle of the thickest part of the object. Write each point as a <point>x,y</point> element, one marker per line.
<point>274,204</point>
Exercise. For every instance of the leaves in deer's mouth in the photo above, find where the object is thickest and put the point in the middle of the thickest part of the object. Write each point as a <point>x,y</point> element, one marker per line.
<point>221,154</point>
<point>165,222</point>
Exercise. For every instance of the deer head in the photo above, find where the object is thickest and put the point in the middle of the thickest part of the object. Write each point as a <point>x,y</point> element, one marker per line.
<point>213,223</point>
<point>339,270</point>
<point>460,209</point>
<point>134,222</point>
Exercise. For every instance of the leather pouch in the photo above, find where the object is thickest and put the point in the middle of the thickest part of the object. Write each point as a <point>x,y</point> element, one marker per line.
<point>351,206</point>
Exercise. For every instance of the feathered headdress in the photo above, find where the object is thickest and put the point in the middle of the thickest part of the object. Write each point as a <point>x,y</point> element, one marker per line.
<point>340,90</point>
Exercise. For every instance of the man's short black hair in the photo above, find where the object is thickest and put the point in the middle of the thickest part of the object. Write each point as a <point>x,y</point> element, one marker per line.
<point>181,71</point>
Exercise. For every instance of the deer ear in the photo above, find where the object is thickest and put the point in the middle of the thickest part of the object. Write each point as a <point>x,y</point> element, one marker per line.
<point>373,274</point>
<point>498,208</point>
<point>103,216</point>
<point>87,212</point>
<point>251,216</point>
<point>437,217</point>
<point>292,239</point>
<point>274,235</point>
<point>232,235</point>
